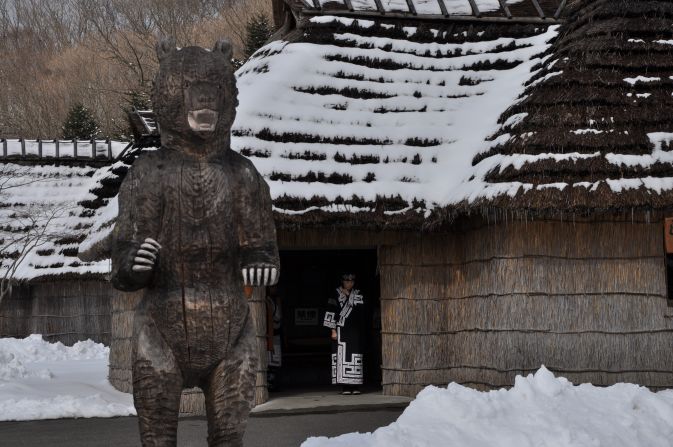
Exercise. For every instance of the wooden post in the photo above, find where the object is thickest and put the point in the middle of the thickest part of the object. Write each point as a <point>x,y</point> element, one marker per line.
<point>442,7</point>
<point>560,9</point>
<point>58,152</point>
<point>109,149</point>
<point>257,302</point>
<point>349,5</point>
<point>411,6</point>
<point>317,5</point>
<point>39,148</point>
<point>23,147</point>
<point>505,8</point>
<point>379,7</point>
<point>668,235</point>
<point>475,8</point>
<point>74,150</point>
<point>4,147</point>
<point>539,9</point>
<point>93,148</point>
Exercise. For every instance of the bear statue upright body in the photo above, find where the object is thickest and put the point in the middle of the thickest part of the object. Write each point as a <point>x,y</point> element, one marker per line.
<point>195,224</point>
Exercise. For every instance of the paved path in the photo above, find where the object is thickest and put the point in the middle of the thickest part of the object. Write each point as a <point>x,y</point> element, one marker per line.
<point>271,431</point>
<point>327,401</point>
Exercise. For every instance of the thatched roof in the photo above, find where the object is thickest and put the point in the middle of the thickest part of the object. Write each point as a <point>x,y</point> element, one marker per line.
<point>376,122</point>
<point>400,123</point>
<point>68,192</point>
<point>594,128</point>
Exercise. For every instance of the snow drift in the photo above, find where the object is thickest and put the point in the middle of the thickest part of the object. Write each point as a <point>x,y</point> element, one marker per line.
<point>41,380</point>
<point>539,411</point>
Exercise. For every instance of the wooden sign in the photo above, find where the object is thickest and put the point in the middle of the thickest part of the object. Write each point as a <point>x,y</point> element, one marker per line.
<point>668,235</point>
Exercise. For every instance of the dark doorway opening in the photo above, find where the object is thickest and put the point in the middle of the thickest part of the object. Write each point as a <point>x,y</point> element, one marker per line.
<point>309,278</point>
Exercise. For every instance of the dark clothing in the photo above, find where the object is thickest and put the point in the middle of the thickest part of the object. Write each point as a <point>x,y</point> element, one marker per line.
<point>346,314</point>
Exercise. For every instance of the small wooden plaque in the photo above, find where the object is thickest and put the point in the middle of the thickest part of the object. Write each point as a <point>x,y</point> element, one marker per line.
<point>668,234</point>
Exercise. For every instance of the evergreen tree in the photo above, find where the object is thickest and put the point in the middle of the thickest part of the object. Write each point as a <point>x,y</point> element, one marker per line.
<point>80,124</point>
<point>257,32</point>
<point>138,100</point>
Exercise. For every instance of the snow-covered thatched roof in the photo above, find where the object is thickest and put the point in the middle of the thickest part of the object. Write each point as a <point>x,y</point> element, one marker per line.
<point>68,194</point>
<point>594,128</point>
<point>376,121</point>
<point>399,123</point>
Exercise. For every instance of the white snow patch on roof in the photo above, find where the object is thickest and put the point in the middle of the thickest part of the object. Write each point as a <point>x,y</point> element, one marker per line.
<point>557,185</point>
<point>425,101</point>
<point>514,120</point>
<point>546,78</point>
<point>586,131</point>
<point>644,79</point>
<point>658,155</point>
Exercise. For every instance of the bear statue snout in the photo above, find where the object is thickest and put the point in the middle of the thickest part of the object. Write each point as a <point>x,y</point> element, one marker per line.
<point>203,100</point>
<point>203,120</point>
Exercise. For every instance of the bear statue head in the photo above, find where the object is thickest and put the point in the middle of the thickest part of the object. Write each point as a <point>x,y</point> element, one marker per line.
<point>195,96</point>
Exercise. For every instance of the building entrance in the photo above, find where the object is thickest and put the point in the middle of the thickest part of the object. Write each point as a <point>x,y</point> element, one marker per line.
<point>308,279</point>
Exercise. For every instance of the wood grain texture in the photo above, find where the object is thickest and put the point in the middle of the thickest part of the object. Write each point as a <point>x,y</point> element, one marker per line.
<point>121,354</point>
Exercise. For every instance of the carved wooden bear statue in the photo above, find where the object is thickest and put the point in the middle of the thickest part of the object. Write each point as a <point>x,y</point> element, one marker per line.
<point>195,224</point>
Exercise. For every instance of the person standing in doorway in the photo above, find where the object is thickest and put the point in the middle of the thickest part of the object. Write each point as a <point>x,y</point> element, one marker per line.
<point>345,316</point>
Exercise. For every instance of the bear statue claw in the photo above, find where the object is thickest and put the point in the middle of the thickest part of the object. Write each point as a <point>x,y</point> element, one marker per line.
<point>260,276</point>
<point>146,256</point>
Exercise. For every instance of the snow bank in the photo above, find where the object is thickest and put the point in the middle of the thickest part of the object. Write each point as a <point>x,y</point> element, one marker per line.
<point>41,380</point>
<point>539,411</point>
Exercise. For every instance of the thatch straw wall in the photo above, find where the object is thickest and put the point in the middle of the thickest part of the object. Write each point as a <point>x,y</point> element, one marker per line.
<point>121,346</point>
<point>123,312</point>
<point>61,310</point>
<point>478,307</point>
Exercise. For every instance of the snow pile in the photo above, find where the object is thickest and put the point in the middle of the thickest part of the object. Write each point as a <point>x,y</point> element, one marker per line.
<point>541,410</point>
<point>41,380</point>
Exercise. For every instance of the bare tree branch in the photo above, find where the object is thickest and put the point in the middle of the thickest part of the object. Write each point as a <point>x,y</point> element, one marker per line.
<point>35,228</point>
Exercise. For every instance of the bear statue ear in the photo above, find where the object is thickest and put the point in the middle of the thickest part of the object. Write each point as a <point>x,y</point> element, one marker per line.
<point>224,47</point>
<point>165,46</point>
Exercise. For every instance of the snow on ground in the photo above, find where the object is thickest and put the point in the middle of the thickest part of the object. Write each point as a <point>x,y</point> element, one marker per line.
<point>539,411</point>
<point>41,380</point>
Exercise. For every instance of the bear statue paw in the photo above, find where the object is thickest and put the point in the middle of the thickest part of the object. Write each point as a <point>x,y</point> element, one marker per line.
<point>146,256</point>
<point>261,275</point>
